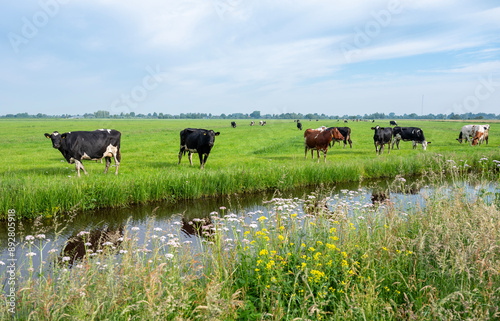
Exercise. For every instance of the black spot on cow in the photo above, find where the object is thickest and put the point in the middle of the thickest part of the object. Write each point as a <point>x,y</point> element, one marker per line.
<point>94,145</point>
<point>197,140</point>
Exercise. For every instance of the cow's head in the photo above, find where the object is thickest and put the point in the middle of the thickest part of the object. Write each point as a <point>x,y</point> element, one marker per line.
<point>56,139</point>
<point>210,136</point>
<point>460,139</point>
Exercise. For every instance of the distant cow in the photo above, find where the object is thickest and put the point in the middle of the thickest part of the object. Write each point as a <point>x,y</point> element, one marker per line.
<point>414,134</point>
<point>319,140</point>
<point>393,123</point>
<point>299,125</point>
<point>486,132</point>
<point>94,145</point>
<point>465,133</point>
<point>477,134</point>
<point>346,121</point>
<point>262,122</point>
<point>382,136</point>
<point>252,123</point>
<point>346,133</point>
<point>197,140</point>
<point>233,124</point>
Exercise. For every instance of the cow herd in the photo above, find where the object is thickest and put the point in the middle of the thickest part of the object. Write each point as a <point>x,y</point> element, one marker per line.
<point>105,143</point>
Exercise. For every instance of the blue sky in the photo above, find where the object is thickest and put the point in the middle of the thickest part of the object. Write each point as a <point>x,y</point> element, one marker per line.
<point>224,56</point>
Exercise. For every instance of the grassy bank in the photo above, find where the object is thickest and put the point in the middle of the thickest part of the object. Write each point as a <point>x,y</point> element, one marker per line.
<point>351,261</point>
<point>34,179</point>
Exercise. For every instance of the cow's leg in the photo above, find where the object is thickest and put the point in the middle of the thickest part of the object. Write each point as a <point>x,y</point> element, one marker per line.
<point>376,148</point>
<point>317,152</point>
<point>190,156</point>
<point>79,165</point>
<point>350,142</point>
<point>108,162</point>
<point>180,155</point>
<point>324,154</point>
<point>389,148</point>
<point>118,159</point>
<point>312,153</point>
<point>203,160</point>
<point>486,139</point>
<point>306,153</point>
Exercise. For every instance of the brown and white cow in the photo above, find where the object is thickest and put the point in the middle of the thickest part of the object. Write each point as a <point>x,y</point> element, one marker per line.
<point>477,134</point>
<point>319,140</point>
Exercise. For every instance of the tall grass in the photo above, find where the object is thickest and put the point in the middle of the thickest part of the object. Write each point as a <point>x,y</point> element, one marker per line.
<point>343,258</point>
<point>35,181</point>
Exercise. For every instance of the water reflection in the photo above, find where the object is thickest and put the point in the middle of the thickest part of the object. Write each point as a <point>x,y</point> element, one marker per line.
<point>90,242</point>
<point>193,218</point>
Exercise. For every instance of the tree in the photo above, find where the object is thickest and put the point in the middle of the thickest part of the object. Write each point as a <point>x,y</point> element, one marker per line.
<point>255,114</point>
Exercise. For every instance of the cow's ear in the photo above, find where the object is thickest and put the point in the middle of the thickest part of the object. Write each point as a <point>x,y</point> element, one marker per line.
<point>373,128</point>
<point>63,136</point>
<point>47,135</point>
<point>217,133</point>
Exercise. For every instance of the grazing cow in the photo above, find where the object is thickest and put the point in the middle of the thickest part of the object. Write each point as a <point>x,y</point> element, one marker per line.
<point>346,121</point>
<point>94,145</point>
<point>233,124</point>
<point>382,136</point>
<point>319,140</point>
<point>414,134</point>
<point>252,123</point>
<point>262,122</point>
<point>197,140</point>
<point>466,133</point>
<point>393,123</point>
<point>346,133</point>
<point>477,134</point>
<point>299,125</point>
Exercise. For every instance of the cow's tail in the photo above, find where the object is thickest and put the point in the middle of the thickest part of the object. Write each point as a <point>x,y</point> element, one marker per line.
<point>119,156</point>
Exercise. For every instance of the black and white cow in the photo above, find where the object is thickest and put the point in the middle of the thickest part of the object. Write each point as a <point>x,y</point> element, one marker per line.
<point>414,134</point>
<point>382,136</point>
<point>252,123</point>
<point>197,140</point>
<point>393,123</point>
<point>299,125</point>
<point>233,124</point>
<point>346,132</point>
<point>94,145</point>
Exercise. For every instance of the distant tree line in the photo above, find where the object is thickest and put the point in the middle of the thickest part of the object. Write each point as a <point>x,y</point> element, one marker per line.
<point>100,114</point>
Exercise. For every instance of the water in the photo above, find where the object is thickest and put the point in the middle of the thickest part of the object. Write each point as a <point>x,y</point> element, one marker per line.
<point>64,235</point>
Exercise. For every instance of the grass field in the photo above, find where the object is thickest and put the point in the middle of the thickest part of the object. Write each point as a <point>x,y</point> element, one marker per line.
<point>35,179</point>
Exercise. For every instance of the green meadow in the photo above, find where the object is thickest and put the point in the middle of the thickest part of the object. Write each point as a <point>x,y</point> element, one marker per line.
<point>35,180</point>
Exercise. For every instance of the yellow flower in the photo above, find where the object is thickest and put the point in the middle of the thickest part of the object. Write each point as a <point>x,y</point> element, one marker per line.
<point>262,218</point>
<point>319,243</point>
<point>257,270</point>
<point>282,228</point>
<point>273,279</point>
<point>384,248</point>
<point>303,265</point>
<point>312,249</point>
<point>344,254</point>
<point>280,237</point>
<point>303,245</point>
<point>263,252</point>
